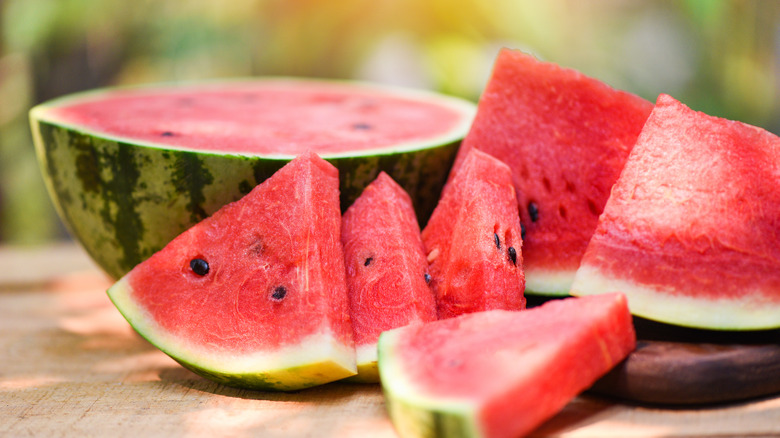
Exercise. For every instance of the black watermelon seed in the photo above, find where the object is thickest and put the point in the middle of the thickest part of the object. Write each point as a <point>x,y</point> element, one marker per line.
<point>199,266</point>
<point>368,261</point>
<point>361,126</point>
<point>279,293</point>
<point>513,255</point>
<point>522,231</point>
<point>427,278</point>
<point>496,239</point>
<point>533,211</point>
<point>167,134</point>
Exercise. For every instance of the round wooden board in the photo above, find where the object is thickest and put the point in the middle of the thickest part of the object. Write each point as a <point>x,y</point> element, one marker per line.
<point>682,366</point>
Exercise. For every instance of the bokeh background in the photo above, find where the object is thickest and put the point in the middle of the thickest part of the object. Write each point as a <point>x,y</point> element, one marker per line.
<point>721,57</point>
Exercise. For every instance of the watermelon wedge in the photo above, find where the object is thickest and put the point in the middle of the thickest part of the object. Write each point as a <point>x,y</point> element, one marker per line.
<point>473,241</point>
<point>500,373</point>
<point>254,296</point>
<point>386,269</point>
<point>566,138</point>
<point>691,230</point>
<point>130,168</point>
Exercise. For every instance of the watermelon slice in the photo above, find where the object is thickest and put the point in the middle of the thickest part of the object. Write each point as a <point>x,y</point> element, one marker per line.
<point>473,242</point>
<point>566,137</point>
<point>131,168</point>
<point>254,296</point>
<point>691,230</point>
<point>386,269</point>
<point>500,373</point>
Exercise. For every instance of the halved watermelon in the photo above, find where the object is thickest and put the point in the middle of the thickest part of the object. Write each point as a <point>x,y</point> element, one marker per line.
<point>473,241</point>
<point>386,269</point>
<point>691,230</point>
<point>254,296</point>
<point>500,373</point>
<point>131,168</point>
<point>566,137</point>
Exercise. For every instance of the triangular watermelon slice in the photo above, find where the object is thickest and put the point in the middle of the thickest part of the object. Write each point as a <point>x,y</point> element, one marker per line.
<point>387,271</point>
<point>691,231</point>
<point>255,295</point>
<point>473,241</point>
<point>566,137</point>
<point>500,373</point>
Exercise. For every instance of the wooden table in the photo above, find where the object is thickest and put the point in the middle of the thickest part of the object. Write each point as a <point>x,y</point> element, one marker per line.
<point>73,367</point>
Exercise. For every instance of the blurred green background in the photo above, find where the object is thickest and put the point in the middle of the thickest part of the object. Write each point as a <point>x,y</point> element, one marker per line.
<point>721,57</point>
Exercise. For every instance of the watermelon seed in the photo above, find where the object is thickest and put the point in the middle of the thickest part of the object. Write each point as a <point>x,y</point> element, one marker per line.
<point>522,231</point>
<point>167,134</point>
<point>427,277</point>
<point>368,261</point>
<point>361,126</point>
<point>498,242</point>
<point>533,211</point>
<point>199,266</point>
<point>512,255</point>
<point>279,293</point>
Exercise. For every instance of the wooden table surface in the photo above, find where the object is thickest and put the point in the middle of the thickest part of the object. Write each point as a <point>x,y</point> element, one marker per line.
<point>73,367</point>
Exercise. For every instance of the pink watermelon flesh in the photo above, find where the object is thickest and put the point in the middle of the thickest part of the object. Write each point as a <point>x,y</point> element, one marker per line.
<point>473,242</point>
<point>270,117</point>
<point>386,268</point>
<point>691,230</point>
<point>270,275</point>
<point>502,373</point>
<point>566,137</point>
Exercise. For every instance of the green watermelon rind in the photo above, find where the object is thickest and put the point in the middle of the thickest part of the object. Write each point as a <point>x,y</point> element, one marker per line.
<point>124,200</point>
<point>314,361</point>
<point>414,414</point>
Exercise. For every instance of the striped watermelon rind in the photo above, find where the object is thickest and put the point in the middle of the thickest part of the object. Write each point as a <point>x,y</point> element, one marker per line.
<point>123,200</point>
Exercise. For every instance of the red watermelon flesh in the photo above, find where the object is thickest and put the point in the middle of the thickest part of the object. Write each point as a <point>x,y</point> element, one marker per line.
<point>254,296</point>
<point>473,242</point>
<point>691,230</point>
<point>500,373</point>
<point>281,117</point>
<point>566,137</point>
<point>386,268</point>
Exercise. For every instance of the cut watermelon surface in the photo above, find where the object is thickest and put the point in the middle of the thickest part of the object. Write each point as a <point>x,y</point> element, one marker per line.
<point>566,138</point>
<point>473,241</point>
<point>254,296</point>
<point>386,269</point>
<point>691,230</point>
<point>500,373</point>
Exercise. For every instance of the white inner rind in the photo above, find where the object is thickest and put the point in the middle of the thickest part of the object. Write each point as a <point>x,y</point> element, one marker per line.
<point>316,349</point>
<point>399,389</point>
<point>547,282</point>
<point>745,313</point>
<point>465,108</point>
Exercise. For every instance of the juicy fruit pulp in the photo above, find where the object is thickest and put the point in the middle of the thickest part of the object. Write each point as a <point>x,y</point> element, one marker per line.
<point>255,295</point>
<point>690,231</point>
<point>386,269</point>
<point>473,242</point>
<point>131,168</point>
<point>500,373</point>
<point>566,137</point>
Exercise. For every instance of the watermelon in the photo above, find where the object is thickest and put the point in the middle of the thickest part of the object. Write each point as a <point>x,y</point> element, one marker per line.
<point>386,269</point>
<point>254,296</point>
<point>473,241</point>
<point>129,168</point>
<point>566,137</point>
<point>691,230</point>
<point>500,373</point>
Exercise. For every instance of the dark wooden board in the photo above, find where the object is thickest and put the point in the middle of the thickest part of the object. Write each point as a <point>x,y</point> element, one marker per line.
<point>675,365</point>
<point>683,366</point>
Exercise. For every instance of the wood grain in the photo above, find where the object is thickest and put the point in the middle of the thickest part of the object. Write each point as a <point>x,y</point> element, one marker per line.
<point>71,366</point>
